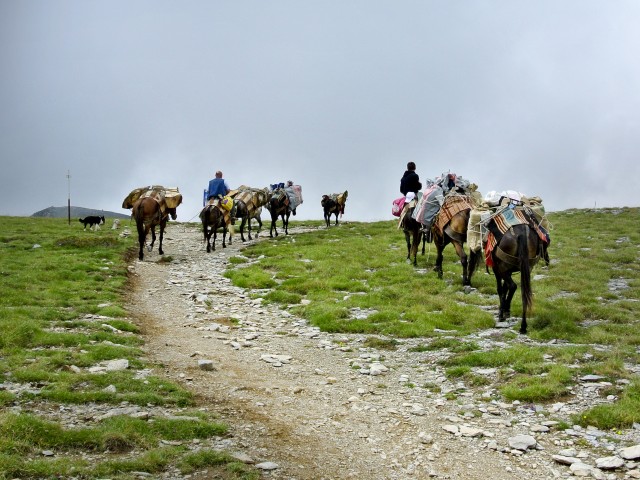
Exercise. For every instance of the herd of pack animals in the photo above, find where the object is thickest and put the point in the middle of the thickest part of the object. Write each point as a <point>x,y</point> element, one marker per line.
<point>516,247</point>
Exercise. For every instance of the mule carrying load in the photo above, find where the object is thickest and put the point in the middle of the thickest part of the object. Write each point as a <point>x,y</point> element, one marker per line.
<point>217,213</point>
<point>283,202</point>
<point>333,205</point>
<point>513,231</point>
<point>151,206</point>
<point>167,197</point>
<point>489,220</point>
<point>290,195</point>
<point>249,202</point>
<point>439,214</point>
<point>442,198</point>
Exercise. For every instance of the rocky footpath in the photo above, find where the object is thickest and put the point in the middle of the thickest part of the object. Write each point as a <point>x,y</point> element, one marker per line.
<point>303,404</point>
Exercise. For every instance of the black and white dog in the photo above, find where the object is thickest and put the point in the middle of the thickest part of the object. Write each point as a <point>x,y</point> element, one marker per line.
<point>93,222</point>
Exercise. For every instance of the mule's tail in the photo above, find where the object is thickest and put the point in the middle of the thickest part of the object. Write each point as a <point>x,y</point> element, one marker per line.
<point>525,271</point>
<point>138,216</point>
<point>475,259</point>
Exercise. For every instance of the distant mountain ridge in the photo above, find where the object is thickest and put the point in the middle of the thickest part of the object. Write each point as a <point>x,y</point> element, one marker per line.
<point>77,212</point>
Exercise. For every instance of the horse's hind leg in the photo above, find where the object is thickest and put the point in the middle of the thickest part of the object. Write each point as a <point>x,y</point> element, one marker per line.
<point>511,288</point>
<point>501,296</point>
<point>407,238</point>
<point>439,259</point>
<point>142,235</point>
<point>153,237</point>
<point>208,237</point>
<point>464,261</point>
<point>161,237</point>
<point>414,247</point>
<point>249,228</point>
<point>259,226</point>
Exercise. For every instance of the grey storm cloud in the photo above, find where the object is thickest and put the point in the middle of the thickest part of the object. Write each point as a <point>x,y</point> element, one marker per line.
<point>539,97</point>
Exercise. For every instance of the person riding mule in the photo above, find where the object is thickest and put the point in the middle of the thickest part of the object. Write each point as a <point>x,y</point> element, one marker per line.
<point>152,206</point>
<point>218,213</point>
<point>333,205</point>
<point>215,216</point>
<point>413,232</point>
<point>515,243</point>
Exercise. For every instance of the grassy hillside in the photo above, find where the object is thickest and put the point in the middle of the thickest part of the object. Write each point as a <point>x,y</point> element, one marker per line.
<point>62,312</point>
<point>63,320</point>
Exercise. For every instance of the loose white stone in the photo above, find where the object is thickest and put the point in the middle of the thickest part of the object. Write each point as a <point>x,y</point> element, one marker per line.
<point>206,365</point>
<point>609,463</point>
<point>581,469</point>
<point>522,442</point>
<point>470,431</point>
<point>451,429</point>
<point>630,453</point>
<point>267,466</point>
<point>565,460</point>
<point>115,365</point>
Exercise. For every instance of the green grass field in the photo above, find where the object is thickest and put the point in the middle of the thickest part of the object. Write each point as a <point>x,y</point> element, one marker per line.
<point>55,278</point>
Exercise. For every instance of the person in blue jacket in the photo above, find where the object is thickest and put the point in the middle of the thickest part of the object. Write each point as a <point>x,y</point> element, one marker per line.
<point>218,187</point>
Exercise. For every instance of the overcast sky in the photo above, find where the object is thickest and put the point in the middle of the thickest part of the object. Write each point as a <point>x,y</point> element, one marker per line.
<point>542,97</point>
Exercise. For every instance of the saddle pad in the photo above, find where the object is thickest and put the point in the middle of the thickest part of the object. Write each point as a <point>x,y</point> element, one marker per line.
<point>452,205</point>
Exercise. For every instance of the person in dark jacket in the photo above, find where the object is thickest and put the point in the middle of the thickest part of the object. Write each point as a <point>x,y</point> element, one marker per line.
<point>410,181</point>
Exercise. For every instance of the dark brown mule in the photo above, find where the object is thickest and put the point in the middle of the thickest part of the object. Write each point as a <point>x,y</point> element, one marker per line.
<point>212,218</point>
<point>254,215</point>
<point>455,233</point>
<point>518,250</point>
<point>278,206</point>
<point>332,206</point>
<point>249,206</point>
<point>147,213</point>
<point>413,234</point>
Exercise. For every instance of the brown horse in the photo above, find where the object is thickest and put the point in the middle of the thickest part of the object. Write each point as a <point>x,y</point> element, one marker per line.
<point>147,213</point>
<point>278,205</point>
<point>413,234</point>
<point>333,205</point>
<point>248,204</point>
<point>455,233</point>
<point>212,218</point>
<point>518,250</point>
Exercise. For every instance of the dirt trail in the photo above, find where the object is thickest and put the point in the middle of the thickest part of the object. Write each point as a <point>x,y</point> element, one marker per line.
<point>312,402</point>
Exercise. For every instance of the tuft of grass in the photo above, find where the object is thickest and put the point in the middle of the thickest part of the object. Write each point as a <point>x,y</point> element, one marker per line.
<point>622,414</point>
<point>381,343</point>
